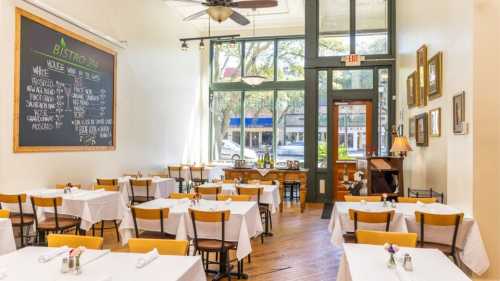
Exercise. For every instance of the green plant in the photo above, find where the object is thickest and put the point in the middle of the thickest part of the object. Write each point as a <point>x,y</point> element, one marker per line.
<point>343,154</point>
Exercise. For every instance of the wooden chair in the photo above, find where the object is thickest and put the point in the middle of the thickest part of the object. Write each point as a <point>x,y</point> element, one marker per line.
<point>175,195</point>
<point>109,188</point>
<point>151,215</point>
<point>440,220</point>
<point>265,213</point>
<point>56,223</point>
<point>18,219</point>
<point>369,217</point>
<point>219,246</point>
<point>196,173</point>
<point>428,200</point>
<point>64,185</point>
<point>228,181</point>
<point>224,197</point>
<point>351,198</point>
<point>4,214</point>
<point>75,241</point>
<point>140,185</point>
<point>380,238</point>
<point>175,172</point>
<point>211,191</point>
<point>107,182</point>
<point>164,247</point>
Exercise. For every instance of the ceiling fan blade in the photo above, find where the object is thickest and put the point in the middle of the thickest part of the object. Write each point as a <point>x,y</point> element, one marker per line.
<point>254,4</point>
<point>239,18</point>
<point>195,16</point>
<point>188,1</point>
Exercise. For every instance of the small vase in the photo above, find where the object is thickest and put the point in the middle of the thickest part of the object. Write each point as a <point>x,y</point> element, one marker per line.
<point>391,263</point>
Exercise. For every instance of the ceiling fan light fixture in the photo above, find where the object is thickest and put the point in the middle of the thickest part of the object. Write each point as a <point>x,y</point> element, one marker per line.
<point>219,13</point>
<point>232,43</point>
<point>202,45</point>
<point>254,80</point>
<point>184,46</point>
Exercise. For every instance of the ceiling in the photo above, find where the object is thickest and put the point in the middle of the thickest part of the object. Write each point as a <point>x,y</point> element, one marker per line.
<point>288,14</point>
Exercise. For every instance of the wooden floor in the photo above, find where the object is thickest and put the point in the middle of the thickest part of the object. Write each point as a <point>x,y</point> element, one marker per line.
<point>299,250</point>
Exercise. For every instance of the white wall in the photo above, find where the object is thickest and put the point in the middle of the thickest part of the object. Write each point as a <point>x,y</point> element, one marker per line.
<point>447,26</point>
<point>158,95</point>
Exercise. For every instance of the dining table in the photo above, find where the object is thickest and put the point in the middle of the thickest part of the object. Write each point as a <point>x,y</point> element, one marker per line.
<point>98,265</point>
<point>370,263</point>
<point>472,249</point>
<point>244,222</point>
<point>7,241</point>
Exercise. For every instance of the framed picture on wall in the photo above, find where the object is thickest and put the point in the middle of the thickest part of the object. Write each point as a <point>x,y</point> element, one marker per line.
<point>411,90</point>
<point>435,76</point>
<point>421,129</point>
<point>435,122</point>
<point>411,127</point>
<point>422,73</point>
<point>459,114</point>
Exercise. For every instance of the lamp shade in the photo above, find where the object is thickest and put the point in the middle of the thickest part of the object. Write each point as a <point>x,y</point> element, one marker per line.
<point>400,144</point>
<point>219,13</point>
<point>253,80</point>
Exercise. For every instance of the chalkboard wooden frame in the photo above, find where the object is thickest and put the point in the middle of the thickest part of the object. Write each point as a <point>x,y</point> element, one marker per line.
<point>17,94</point>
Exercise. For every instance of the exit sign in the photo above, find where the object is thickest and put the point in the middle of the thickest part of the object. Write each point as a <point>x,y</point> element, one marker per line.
<point>353,60</point>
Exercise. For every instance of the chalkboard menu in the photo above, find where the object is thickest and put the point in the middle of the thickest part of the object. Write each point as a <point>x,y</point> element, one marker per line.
<point>64,91</point>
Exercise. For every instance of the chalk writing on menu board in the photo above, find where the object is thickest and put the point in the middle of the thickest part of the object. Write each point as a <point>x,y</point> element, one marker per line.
<point>65,91</point>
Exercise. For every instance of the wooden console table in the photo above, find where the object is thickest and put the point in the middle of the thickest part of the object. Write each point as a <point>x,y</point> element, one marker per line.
<point>279,175</point>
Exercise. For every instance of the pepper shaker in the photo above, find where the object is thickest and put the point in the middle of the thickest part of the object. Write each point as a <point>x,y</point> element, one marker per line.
<point>408,264</point>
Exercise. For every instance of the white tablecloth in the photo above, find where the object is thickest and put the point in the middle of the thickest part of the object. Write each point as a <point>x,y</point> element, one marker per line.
<point>369,263</point>
<point>23,265</point>
<point>7,241</point>
<point>244,222</point>
<point>271,194</point>
<point>91,206</point>
<point>161,187</point>
<point>473,253</point>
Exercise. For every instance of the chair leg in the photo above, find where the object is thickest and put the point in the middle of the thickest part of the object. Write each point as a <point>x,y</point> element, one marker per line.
<point>22,236</point>
<point>118,232</point>
<point>270,220</point>
<point>249,258</point>
<point>102,228</point>
<point>93,230</point>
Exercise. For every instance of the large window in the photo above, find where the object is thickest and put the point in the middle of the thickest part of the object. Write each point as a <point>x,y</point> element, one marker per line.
<point>226,62</point>
<point>290,126</point>
<point>322,119</point>
<point>291,60</point>
<point>258,122</point>
<point>259,58</point>
<point>226,125</point>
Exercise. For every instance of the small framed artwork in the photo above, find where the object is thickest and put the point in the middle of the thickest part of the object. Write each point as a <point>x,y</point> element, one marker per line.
<point>459,114</point>
<point>422,73</point>
<point>411,90</point>
<point>435,122</point>
<point>435,82</point>
<point>421,129</point>
<point>411,127</point>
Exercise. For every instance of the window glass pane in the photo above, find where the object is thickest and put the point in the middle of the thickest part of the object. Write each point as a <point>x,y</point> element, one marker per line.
<point>258,123</point>
<point>383,111</point>
<point>226,62</point>
<point>352,131</point>
<point>334,28</point>
<point>371,27</point>
<point>225,110</point>
<point>259,58</point>
<point>352,79</point>
<point>290,126</point>
<point>290,60</point>
<point>322,120</point>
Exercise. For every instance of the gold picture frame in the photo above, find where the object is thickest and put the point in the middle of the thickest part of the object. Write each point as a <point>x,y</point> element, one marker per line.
<point>411,90</point>
<point>422,75</point>
<point>459,114</point>
<point>435,76</point>
<point>435,122</point>
<point>421,129</point>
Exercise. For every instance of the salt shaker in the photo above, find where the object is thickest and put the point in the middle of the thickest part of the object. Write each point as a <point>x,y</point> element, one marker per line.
<point>408,264</point>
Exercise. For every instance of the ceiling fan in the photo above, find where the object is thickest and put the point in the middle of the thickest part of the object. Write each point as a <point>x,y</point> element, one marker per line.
<point>221,10</point>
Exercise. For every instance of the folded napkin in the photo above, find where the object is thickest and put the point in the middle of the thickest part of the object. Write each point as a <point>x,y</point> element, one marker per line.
<point>48,256</point>
<point>147,258</point>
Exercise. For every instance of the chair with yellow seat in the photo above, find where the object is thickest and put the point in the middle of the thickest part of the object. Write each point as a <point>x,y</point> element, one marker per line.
<point>19,218</point>
<point>164,247</point>
<point>438,220</point>
<point>210,192</point>
<point>224,197</point>
<point>160,215</point>
<point>198,175</point>
<point>175,195</point>
<point>4,214</point>
<point>107,182</point>
<point>70,185</point>
<point>352,198</point>
<point>75,241</point>
<point>175,172</point>
<point>369,217</point>
<point>255,192</point>
<point>136,185</point>
<point>381,237</point>
<point>425,200</point>
<point>109,188</point>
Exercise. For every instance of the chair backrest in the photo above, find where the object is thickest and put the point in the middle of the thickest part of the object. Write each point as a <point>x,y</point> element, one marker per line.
<point>164,247</point>
<point>252,190</point>
<point>210,217</point>
<point>174,171</point>
<point>64,185</point>
<point>107,181</point>
<point>46,202</point>
<point>197,172</point>
<point>75,241</point>
<point>4,214</point>
<point>427,200</point>
<point>142,184</point>
<point>371,217</point>
<point>176,195</point>
<point>228,181</point>
<point>254,182</point>
<point>224,197</point>
<point>267,182</point>
<point>149,214</point>
<point>351,198</point>
<point>439,220</point>
<point>18,199</point>
<point>114,188</point>
<point>212,190</point>
<point>380,238</point>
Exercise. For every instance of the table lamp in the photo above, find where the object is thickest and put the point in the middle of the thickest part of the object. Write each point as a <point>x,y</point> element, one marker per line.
<point>401,146</point>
